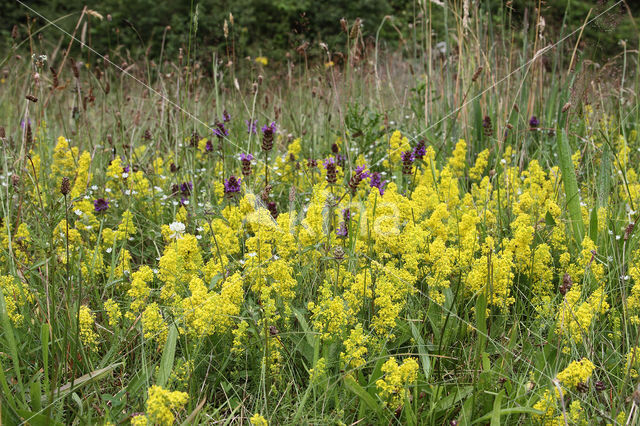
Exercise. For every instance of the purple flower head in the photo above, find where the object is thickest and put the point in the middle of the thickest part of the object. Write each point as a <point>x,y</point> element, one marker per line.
<point>220,131</point>
<point>534,122</point>
<point>225,116</point>
<point>407,156</point>
<point>343,230</point>
<point>329,162</point>
<point>420,150</point>
<point>346,215</point>
<point>245,157</point>
<point>100,205</point>
<point>269,128</point>
<point>407,162</point>
<point>208,146</point>
<point>232,186</point>
<point>376,181</point>
<point>23,124</point>
<point>360,171</point>
<point>273,209</point>
<point>330,166</point>
<point>186,188</point>
<point>252,126</point>
<point>358,176</point>
<point>126,169</point>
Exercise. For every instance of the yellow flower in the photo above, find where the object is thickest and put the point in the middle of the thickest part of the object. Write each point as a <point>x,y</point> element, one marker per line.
<point>16,296</point>
<point>153,324</point>
<point>113,312</point>
<point>355,348</point>
<point>87,335</point>
<point>576,372</point>
<point>161,403</point>
<point>262,61</point>
<point>258,420</point>
<point>397,378</point>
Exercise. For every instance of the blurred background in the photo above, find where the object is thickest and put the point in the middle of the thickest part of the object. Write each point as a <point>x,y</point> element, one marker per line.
<point>274,28</point>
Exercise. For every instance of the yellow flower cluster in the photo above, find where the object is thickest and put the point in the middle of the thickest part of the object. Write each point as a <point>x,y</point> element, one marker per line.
<point>16,296</point>
<point>88,336</point>
<point>258,420</point>
<point>575,374</point>
<point>396,380</point>
<point>161,405</point>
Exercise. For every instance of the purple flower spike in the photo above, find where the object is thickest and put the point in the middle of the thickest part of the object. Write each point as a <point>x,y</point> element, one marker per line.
<point>245,159</point>
<point>232,186</point>
<point>407,162</point>
<point>220,131</point>
<point>209,146</point>
<point>343,230</point>
<point>534,122</point>
<point>186,187</point>
<point>269,127</point>
<point>252,126</point>
<point>100,205</point>
<point>225,116</point>
<point>375,181</point>
<point>420,150</point>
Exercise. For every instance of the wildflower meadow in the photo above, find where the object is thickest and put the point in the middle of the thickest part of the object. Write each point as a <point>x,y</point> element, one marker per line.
<point>434,227</point>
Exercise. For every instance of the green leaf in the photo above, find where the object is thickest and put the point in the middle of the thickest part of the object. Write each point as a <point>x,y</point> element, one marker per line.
<point>508,411</point>
<point>495,414</point>
<point>36,419</point>
<point>570,182</point>
<point>364,396</point>
<point>422,351</point>
<point>593,224</point>
<point>168,354</point>
<point>86,379</point>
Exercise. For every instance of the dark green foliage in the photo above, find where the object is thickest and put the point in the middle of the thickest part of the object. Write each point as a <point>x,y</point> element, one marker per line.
<point>274,27</point>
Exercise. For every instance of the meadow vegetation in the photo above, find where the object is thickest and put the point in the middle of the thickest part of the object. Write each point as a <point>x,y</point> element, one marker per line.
<point>352,232</point>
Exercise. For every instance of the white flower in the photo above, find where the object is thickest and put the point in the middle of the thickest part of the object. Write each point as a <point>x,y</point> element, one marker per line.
<point>109,249</point>
<point>178,229</point>
<point>125,175</point>
<point>78,212</point>
<point>107,189</point>
<point>94,187</point>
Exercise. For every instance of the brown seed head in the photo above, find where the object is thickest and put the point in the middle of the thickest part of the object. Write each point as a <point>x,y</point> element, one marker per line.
<point>65,186</point>
<point>343,24</point>
<point>15,181</point>
<point>477,74</point>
